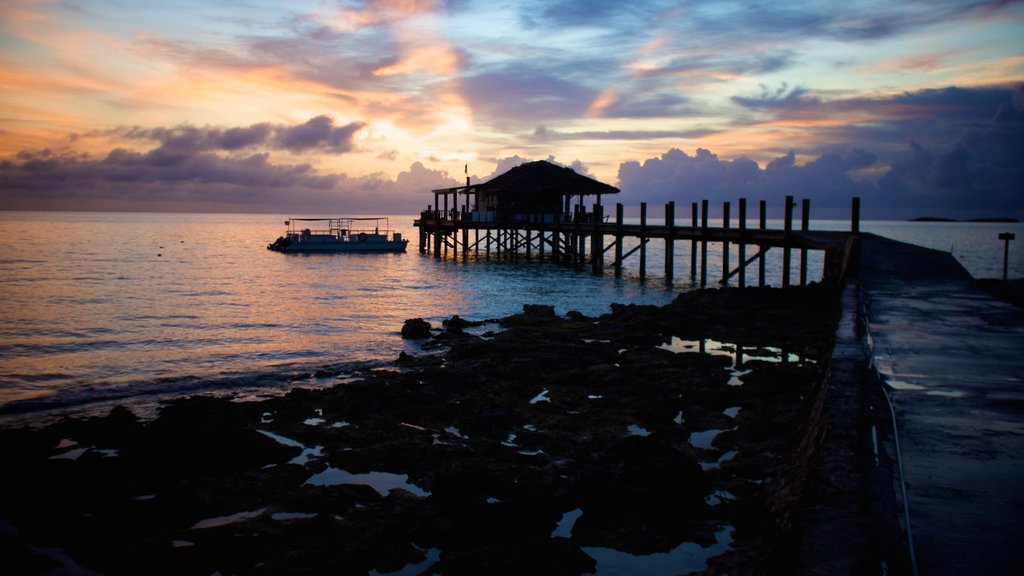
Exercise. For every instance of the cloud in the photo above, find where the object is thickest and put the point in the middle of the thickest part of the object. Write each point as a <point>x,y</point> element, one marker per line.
<point>318,133</point>
<point>525,93</point>
<point>210,169</point>
<point>979,173</point>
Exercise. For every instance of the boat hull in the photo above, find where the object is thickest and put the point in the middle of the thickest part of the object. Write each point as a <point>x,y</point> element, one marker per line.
<point>355,246</point>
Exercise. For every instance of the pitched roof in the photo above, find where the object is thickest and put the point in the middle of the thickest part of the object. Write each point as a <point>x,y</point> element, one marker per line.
<point>543,177</point>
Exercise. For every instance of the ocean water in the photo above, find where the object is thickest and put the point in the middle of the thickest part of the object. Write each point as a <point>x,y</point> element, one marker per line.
<point>126,307</point>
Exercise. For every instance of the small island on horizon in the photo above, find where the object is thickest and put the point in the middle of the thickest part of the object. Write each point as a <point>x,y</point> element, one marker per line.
<point>979,220</point>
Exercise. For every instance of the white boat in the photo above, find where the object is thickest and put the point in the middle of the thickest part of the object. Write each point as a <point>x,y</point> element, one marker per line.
<point>339,235</point>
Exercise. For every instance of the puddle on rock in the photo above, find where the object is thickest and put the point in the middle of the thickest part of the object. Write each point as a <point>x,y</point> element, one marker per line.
<point>285,516</point>
<point>382,482</point>
<point>227,520</point>
<point>542,397</point>
<point>433,556</point>
<point>565,525</point>
<point>739,355</point>
<point>635,430</point>
<point>683,559</point>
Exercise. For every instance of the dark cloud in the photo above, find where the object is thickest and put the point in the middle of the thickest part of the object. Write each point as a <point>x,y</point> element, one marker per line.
<point>318,133</point>
<point>526,93</point>
<point>848,21</point>
<point>201,169</point>
<point>544,134</point>
<point>979,173</point>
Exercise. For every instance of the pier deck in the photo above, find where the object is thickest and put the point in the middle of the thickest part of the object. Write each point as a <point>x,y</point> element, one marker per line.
<point>953,358</point>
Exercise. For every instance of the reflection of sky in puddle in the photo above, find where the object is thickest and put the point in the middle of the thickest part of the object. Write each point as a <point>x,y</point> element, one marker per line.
<point>703,440</point>
<point>542,397</point>
<point>433,555</point>
<point>724,458</point>
<point>732,411</point>
<point>227,520</point>
<point>565,525</point>
<point>946,393</point>
<point>901,385</point>
<point>70,454</point>
<point>685,558</point>
<point>739,354</point>
<point>635,430</point>
<point>718,497</point>
<point>456,432</point>
<point>308,454</point>
<point>382,482</point>
<point>285,516</point>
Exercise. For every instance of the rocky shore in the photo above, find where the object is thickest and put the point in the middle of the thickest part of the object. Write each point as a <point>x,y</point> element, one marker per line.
<point>660,440</point>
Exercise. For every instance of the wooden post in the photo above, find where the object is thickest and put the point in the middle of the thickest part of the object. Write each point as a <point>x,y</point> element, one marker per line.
<point>725,244</point>
<point>855,215</point>
<point>487,245</point>
<point>703,243</point>
<point>556,237</point>
<point>643,239</point>
<point>805,225</point>
<point>786,251</point>
<point>742,280</point>
<point>670,222</point>
<point>527,230</point>
<point>618,239</point>
<point>1006,237</point>
<point>423,230</point>
<point>437,235</point>
<point>540,236</point>
<point>597,241</point>
<point>693,243</point>
<point>465,231</point>
<point>763,206</point>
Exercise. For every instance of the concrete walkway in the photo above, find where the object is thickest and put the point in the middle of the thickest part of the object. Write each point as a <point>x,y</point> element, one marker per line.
<point>953,358</point>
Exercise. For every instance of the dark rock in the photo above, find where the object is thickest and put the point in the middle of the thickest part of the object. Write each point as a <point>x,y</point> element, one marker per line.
<point>416,329</point>
<point>457,322</point>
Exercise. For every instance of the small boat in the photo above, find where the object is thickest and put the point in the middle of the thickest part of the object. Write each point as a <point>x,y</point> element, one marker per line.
<point>339,235</point>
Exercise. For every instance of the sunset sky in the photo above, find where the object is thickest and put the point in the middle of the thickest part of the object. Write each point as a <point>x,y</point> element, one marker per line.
<point>363,107</point>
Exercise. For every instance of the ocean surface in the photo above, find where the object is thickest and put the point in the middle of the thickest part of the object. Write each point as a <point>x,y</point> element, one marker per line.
<point>134,308</point>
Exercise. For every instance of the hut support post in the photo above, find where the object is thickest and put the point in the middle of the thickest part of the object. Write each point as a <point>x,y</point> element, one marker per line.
<point>540,237</point>
<point>597,241</point>
<point>529,240</point>
<point>855,215</point>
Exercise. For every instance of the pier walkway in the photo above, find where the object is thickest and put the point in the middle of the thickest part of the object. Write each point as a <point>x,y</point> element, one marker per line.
<point>953,358</point>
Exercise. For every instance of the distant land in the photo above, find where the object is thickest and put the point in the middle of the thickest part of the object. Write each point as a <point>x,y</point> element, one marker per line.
<point>934,219</point>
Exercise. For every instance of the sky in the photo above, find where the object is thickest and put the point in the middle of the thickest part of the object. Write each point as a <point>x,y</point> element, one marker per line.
<point>350,107</point>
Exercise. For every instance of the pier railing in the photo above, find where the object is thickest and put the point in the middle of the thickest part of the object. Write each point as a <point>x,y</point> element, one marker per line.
<point>578,238</point>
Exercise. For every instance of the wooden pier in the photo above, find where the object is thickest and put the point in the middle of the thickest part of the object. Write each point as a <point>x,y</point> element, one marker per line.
<point>578,238</point>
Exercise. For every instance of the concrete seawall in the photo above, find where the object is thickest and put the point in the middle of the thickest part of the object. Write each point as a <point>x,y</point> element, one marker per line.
<point>918,424</point>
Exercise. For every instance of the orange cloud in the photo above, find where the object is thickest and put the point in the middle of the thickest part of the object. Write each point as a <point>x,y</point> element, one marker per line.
<point>379,12</point>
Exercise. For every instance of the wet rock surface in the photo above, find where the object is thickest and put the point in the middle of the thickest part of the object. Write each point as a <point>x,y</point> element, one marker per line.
<point>545,447</point>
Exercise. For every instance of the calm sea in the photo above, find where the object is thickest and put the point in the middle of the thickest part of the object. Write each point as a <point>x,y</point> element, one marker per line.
<point>128,307</point>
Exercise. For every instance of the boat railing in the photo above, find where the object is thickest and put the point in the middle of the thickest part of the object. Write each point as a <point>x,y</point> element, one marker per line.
<point>339,227</point>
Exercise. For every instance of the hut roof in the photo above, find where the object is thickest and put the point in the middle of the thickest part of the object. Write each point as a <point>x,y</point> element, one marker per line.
<point>543,177</point>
